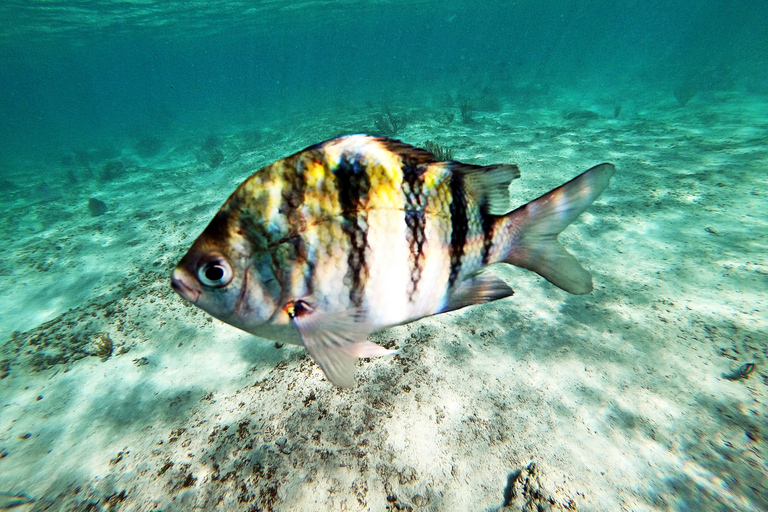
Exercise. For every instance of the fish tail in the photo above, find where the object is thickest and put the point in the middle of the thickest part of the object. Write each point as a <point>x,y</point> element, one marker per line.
<point>533,228</point>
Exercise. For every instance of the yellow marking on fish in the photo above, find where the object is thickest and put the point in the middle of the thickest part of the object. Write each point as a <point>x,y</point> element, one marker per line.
<point>314,174</point>
<point>385,189</point>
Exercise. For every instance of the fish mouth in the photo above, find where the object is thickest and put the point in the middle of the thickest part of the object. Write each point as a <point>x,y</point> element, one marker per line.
<point>180,284</point>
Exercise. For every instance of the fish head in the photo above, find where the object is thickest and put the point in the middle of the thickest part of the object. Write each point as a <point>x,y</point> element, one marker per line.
<point>229,274</point>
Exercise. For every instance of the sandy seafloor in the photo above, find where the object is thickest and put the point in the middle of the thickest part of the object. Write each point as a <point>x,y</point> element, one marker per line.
<point>620,398</point>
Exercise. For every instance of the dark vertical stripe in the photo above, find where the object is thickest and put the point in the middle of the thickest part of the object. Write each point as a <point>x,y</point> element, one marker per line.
<point>301,258</point>
<point>489,226</point>
<point>292,197</point>
<point>353,185</point>
<point>458,210</point>
<point>415,200</point>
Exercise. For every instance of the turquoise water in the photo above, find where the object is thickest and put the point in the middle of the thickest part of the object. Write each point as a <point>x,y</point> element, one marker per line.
<point>79,73</point>
<point>125,125</point>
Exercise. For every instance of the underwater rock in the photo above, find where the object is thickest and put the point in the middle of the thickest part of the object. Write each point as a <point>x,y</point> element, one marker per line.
<point>525,491</point>
<point>393,502</point>
<point>282,443</point>
<point>97,207</point>
<point>684,92</point>
<point>581,115</point>
<point>111,170</point>
<point>742,372</point>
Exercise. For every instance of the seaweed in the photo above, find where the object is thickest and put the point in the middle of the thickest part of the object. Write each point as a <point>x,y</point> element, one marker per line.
<point>442,153</point>
<point>466,108</point>
<point>388,124</point>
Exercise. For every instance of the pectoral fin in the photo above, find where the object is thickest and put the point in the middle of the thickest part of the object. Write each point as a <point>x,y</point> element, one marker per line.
<point>335,341</point>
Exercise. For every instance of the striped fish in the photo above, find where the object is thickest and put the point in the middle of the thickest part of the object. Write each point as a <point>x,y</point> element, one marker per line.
<point>360,233</point>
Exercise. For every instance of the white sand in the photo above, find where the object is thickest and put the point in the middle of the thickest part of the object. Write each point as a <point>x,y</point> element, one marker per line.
<point>619,396</point>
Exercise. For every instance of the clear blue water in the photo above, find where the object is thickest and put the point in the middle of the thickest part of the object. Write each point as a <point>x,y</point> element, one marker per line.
<point>82,72</point>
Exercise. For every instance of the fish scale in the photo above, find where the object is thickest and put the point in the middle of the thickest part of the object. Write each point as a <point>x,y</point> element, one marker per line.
<point>359,233</point>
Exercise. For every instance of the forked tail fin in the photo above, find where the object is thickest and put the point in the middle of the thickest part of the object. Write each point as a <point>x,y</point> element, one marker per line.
<point>534,228</point>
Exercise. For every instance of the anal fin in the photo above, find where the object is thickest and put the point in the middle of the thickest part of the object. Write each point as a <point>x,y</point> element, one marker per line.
<point>477,290</point>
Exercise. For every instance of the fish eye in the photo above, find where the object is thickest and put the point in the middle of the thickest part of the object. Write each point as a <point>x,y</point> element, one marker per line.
<point>215,272</point>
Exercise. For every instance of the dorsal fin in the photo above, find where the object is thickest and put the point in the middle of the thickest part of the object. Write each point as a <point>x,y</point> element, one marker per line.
<point>489,184</point>
<point>416,155</point>
<point>362,144</point>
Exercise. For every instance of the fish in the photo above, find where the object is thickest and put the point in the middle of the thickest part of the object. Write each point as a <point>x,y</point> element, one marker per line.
<point>360,233</point>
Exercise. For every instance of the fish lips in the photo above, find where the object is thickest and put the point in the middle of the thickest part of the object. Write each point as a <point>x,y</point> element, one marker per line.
<point>181,282</point>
